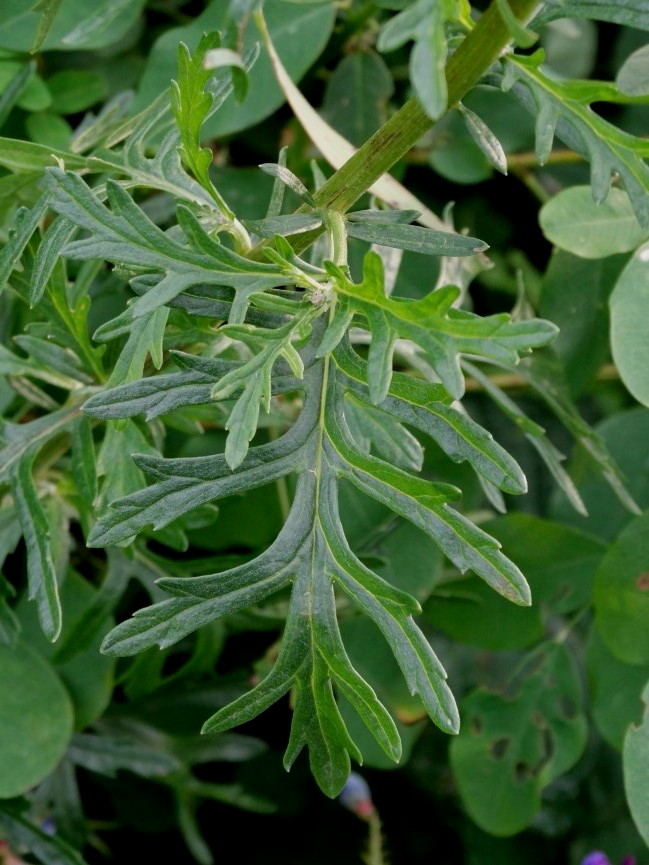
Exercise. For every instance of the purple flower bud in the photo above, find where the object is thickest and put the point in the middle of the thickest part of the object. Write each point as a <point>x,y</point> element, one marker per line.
<point>596,858</point>
<point>356,796</point>
<point>628,860</point>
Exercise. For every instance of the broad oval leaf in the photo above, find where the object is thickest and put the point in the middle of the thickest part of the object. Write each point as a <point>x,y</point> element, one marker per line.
<point>511,748</point>
<point>635,761</point>
<point>574,222</point>
<point>35,719</point>
<point>622,595</point>
<point>629,307</point>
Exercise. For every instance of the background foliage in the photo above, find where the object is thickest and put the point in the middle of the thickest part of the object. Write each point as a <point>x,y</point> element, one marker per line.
<point>270,392</point>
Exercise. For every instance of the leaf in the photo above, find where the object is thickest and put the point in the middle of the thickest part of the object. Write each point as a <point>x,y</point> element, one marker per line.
<point>312,552</point>
<point>191,105</point>
<point>41,573</point>
<point>24,157</point>
<point>285,176</point>
<point>615,689</point>
<point>634,762</point>
<point>35,719</point>
<point>521,35</point>
<point>16,440</point>
<point>48,10</point>
<point>629,307</point>
<point>356,97</point>
<point>546,376</point>
<point>621,597</point>
<point>633,77</point>
<point>411,237</point>
<point>623,435</point>
<point>428,61</point>
<point>485,139</point>
<point>632,13</point>
<point>104,23</point>
<point>108,754</point>
<point>125,235</point>
<point>559,564</point>
<point>442,331</point>
<point>534,433</point>
<point>75,90</point>
<point>564,107</point>
<point>145,339</point>
<point>87,676</point>
<point>56,236</point>
<point>574,295</point>
<point>25,224</point>
<point>403,27</point>
<point>574,222</point>
<point>21,832</point>
<point>513,746</point>
<point>84,469</point>
<point>11,94</point>
<point>313,24</point>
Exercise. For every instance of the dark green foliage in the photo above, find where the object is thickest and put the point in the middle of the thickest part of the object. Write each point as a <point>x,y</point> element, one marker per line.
<point>257,451</point>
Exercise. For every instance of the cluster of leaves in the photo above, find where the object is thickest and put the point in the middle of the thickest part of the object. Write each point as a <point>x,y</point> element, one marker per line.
<point>306,358</point>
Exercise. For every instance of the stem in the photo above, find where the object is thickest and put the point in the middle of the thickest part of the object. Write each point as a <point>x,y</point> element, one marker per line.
<point>375,841</point>
<point>481,48</point>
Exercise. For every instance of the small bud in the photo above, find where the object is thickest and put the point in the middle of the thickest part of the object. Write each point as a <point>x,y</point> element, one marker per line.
<point>596,858</point>
<point>356,796</point>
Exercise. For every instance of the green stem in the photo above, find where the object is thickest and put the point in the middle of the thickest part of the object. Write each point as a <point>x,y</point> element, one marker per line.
<point>476,54</point>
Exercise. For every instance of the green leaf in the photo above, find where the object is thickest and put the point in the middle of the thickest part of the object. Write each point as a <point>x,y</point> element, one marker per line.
<point>574,222</point>
<point>108,754</point>
<point>574,295</point>
<point>191,105</point>
<point>615,691</point>
<point>521,35</point>
<point>88,677</point>
<point>485,139</point>
<point>125,235</point>
<point>313,23</point>
<point>622,595</point>
<point>633,76</point>
<point>41,573</point>
<point>290,180</point>
<point>416,239</point>
<point>35,719</point>
<point>16,440</point>
<point>312,551</point>
<point>84,466</point>
<point>623,435</point>
<point>635,759</point>
<point>559,564</point>
<point>11,94</point>
<point>75,90</point>
<point>428,61</point>
<point>25,224</point>
<point>21,832</point>
<point>48,10</point>
<point>403,27</point>
<point>631,13</point>
<point>442,331</point>
<point>629,306</point>
<point>564,107</point>
<point>104,23</point>
<point>49,129</point>
<point>512,746</point>
<point>145,338</point>
<point>356,97</point>
<point>25,157</point>
<point>545,374</point>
